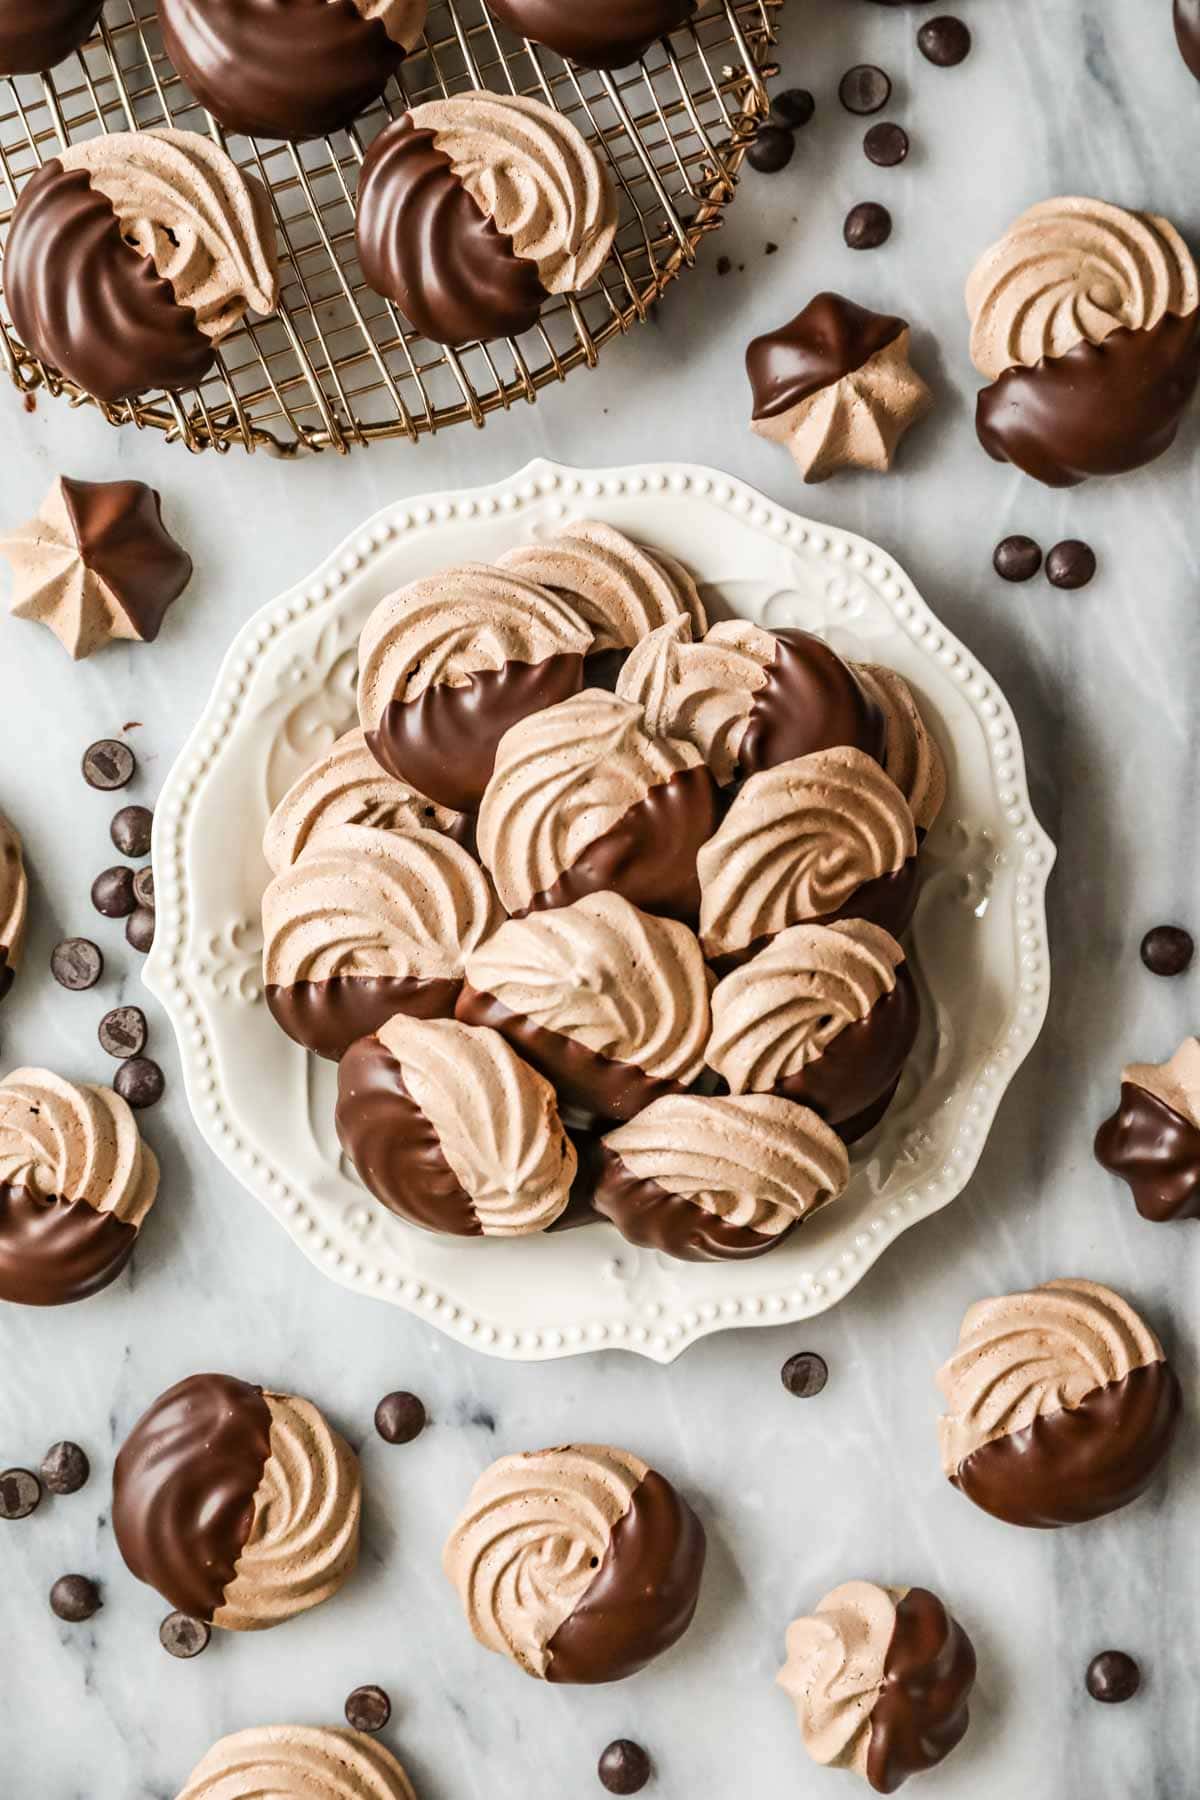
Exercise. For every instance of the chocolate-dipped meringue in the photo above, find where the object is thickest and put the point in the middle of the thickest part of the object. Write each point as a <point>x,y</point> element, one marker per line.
<point>596,37</point>
<point>880,1678</point>
<point>825,1015</point>
<point>448,663</point>
<point>708,1179</point>
<point>1152,1141</point>
<point>297,70</point>
<point>347,786</point>
<point>14,904</point>
<point>912,756</point>
<point>474,209</point>
<point>449,1128</point>
<point>33,38</point>
<point>295,1762</point>
<point>240,1506</point>
<point>825,837</point>
<point>609,1003</point>
<point>96,563</point>
<point>76,1182</point>
<point>835,387</point>
<point>580,1563</point>
<point>1084,318</point>
<point>1061,1404</point>
<point>583,798</point>
<point>368,923</point>
<point>132,255</point>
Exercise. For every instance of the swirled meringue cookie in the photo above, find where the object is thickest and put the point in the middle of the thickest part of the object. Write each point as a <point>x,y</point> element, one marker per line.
<point>826,1015</point>
<point>449,1128</point>
<point>607,37</point>
<point>447,664</point>
<point>76,1182</point>
<point>368,923</point>
<point>240,1506</point>
<point>1084,318</point>
<point>585,798</point>
<point>825,837</point>
<point>347,786</point>
<point>709,1179</point>
<point>912,755</point>
<point>296,1762</point>
<point>610,1004</point>
<point>474,209</point>
<point>1061,1405</point>
<point>880,1678</point>
<point>1152,1140</point>
<point>14,904</point>
<point>35,38</point>
<point>295,70</point>
<point>130,256</point>
<point>580,1563</point>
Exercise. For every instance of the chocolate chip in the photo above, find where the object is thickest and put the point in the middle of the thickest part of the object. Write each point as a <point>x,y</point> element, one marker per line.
<point>1017,558</point>
<point>770,149</point>
<point>793,109</point>
<point>1113,1677</point>
<point>139,1082</point>
<point>112,892</point>
<point>624,1767</point>
<point>944,41</point>
<point>139,929</point>
<point>864,89</point>
<point>886,145</point>
<point>181,1635</point>
<point>123,1031</point>
<point>368,1709</point>
<point>75,1598</point>
<point>1168,950</point>
<point>108,764</point>
<point>65,1468</point>
<point>20,1493</point>
<point>77,964</point>
<point>804,1374</point>
<point>867,225</point>
<point>400,1417</point>
<point>143,887</point>
<point>130,830</point>
<point>1070,564</point>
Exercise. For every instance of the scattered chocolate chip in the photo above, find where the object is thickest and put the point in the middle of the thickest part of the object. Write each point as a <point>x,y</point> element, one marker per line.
<point>400,1417</point>
<point>770,149</point>
<point>867,225</point>
<point>624,1767</point>
<point>886,144</point>
<point>143,887</point>
<point>112,892</point>
<point>20,1493</point>
<point>65,1468</point>
<point>944,41</point>
<point>1113,1677</point>
<point>139,929</point>
<point>804,1374</point>
<point>130,830</point>
<point>108,764</point>
<point>1017,558</point>
<point>123,1032</point>
<point>181,1635</point>
<point>1168,950</point>
<point>1070,564</point>
<point>74,1598</point>
<point>139,1082</point>
<point>368,1709</point>
<point>77,964</point>
<point>864,89</point>
<point>793,109</point>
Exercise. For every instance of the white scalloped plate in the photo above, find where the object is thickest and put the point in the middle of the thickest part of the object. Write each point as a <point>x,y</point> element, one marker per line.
<point>978,944</point>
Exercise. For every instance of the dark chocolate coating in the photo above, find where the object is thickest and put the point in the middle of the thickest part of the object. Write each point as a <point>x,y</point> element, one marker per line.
<point>7,973</point>
<point>394,1147</point>
<point>1101,409</point>
<point>443,743</point>
<point>1082,1462</point>
<point>921,1712</point>
<point>1157,1151</point>
<point>862,1064</point>
<point>55,1251</point>
<point>810,700</point>
<point>279,68</point>
<point>86,303</point>
<point>426,244</point>
<point>36,34</point>
<point>644,1595</point>
<point>328,1016</point>
<point>184,1486</point>
<point>830,339</point>
<point>122,539</point>
<point>608,36</point>
<point>647,1215</point>
<point>1187,33</point>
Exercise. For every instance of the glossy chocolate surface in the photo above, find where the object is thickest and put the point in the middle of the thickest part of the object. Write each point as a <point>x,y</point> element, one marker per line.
<point>608,36</point>
<point>328,1016</point>
<point>55,1251</point>
<point>921,1712</point>
<point>393,1145</point>
<point>118,526</point>
<point>1187,33</point>
<point>36,34</point>
<point>1157,1151</point>
<point>829,340</point>
<point>862,1064</point>
<point>811,700</point>
<point>647,1215</point>
<point>184,1486</point>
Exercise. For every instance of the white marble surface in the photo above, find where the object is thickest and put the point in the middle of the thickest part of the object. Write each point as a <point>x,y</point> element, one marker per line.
<point>1058,96</point>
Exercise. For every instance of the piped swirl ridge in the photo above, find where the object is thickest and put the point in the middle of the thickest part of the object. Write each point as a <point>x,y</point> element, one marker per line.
<point>65,1141</point>
<point>912,756</point>
<point>701,692</point>
<point>296,1762</point>
<point>834,1671</point>
<point>620,589</point>
<point>346,786</point>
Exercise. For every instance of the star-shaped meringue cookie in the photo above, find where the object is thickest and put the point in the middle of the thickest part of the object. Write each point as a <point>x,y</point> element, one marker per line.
<point>96,563</point>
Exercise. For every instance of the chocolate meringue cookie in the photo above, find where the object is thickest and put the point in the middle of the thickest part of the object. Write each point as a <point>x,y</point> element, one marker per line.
<point>14,904</point>
<point>912,756</point>
<point>447,664</point>
<point>610,1004</point>
<point>1085,318</point>
<point>835,387</point>
<point>368,923</point>
<point>294,1762</point>
<point>584,798</point>
<point>240,1506</point>
<point>581,1564</point>
<point>1061,1404</point>
<point>474,209</point>
<point>95,564</point>
<point>300,69</point>
<point>1152,1140</point>
<point>76,1182</point>
<point>708,1179</point>
<point>449,1128</point>
<point>826,1015</point>
<point>880,1678</point>
<point>132,255</point>
<point>33,38</point>
<point>347,786</point>
<point>607,37</point>
<point>824,837</point>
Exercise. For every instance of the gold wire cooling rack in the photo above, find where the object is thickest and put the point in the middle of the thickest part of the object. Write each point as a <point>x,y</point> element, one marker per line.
<point>337,366</point>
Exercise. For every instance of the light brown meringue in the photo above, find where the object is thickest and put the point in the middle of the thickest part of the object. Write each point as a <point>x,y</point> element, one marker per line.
<point>834,1673</point>
<point>913,757</point>
<point>701,692</point>
<point>1176,1082</point>
<point>621,590</point>
<point>66,1141</point>
<point>346,786</point>
<point>14,900</point>
<point>855,422</point>
<point>298,1762</point>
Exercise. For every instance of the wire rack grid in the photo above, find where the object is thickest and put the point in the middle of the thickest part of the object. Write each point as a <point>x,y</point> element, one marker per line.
<point>337,366</point>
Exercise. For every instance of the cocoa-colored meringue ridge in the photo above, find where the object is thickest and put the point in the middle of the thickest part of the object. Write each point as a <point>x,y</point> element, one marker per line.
<point>913,756</point>
<point>296,1762</point>
<point>700,692</point>
<point>66,1141</point>
<point>856,421</point>
<point>834,1671</point>
<point>14,903</point>
<point>1176,1083</point>
<point>346,786</point>
<point>621,590</point>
